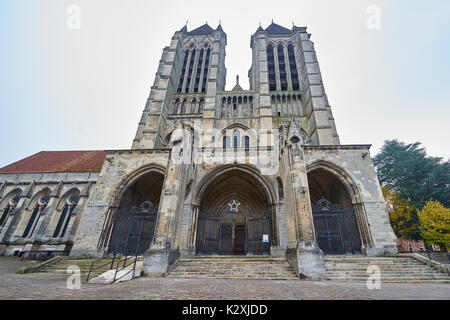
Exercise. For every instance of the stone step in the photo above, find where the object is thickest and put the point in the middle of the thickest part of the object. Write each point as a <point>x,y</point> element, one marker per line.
<point>382,268</point>
<point>193,275</point>
<point>393,269</point>
<point>388,279</point>
<point>400,274</point>
<point>393,281</point>
<point>257,267</point>
<point>427,275</point>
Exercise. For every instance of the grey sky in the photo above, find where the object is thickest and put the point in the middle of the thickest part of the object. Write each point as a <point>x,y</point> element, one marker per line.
<point>82,89</point>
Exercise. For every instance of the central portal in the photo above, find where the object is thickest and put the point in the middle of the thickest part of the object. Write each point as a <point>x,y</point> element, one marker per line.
<point>234,216</point>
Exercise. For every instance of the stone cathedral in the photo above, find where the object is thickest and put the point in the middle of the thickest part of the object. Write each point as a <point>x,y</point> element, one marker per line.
<point>210,172</point>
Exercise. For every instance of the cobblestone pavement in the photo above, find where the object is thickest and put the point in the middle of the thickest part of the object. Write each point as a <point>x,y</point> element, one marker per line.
<point>53,286</point>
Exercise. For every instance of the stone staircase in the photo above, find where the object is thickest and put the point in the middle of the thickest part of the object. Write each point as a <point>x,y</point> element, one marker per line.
<point>392,269</point>
<point>234,267</point>
<point>84,265</point>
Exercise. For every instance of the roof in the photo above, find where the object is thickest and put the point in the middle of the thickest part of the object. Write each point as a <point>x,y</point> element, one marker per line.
<point>58,161</point>
<point>276,29</point>
<point>202,30</point>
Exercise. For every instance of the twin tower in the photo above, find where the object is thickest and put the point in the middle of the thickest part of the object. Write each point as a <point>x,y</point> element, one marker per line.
<point>285,82</point>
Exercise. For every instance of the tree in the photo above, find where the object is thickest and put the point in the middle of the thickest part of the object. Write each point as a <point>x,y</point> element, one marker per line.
<point>435,224</point>
<point>403,216</point>
<point>407,170</point>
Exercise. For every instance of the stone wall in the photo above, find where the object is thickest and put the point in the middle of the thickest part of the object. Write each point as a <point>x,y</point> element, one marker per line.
<point>59,186</point>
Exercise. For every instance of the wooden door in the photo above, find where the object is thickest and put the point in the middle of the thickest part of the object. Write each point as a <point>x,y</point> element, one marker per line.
<point>225,242</point>
<point>239,240</point>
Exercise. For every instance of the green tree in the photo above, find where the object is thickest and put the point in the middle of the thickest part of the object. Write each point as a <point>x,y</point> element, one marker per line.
<point>435,224</point>
<point>403,215</point>
<point>407,170</point>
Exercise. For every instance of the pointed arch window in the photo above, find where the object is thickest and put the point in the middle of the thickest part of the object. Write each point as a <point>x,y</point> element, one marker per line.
<point>35,215</point>
<point>246,141</point>
<point>183,71</point>
<point>271,68</point>
<point>189,75</point>
<point>199,70</point>
<point>11,204</point>
<point>236,138</point>
<point>205,72</point>
<point>66,215</point>
<point>282,68</point>
<point>293,67</point>
<point>226,141</point>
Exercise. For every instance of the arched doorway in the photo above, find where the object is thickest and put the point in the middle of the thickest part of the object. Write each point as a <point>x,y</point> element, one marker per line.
<point>235,216</point>
<point>335,222</point>
<point>135,216</point>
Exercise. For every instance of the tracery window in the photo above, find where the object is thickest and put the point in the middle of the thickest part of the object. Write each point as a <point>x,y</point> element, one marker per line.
<point>11,204</point>
<point>66,215</point>
<point>271,69</point>
<point>293,67</point>
<point>183,70</point>
<point>205,72</point>
<point>35,215</point>
<point>191,67</point>
<point>226,141</point>
<point>246,142</point>
<point>282,68</point>
<point>236,138</point>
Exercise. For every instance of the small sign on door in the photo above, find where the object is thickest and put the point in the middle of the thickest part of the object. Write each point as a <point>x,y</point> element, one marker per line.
<point>265,238</point>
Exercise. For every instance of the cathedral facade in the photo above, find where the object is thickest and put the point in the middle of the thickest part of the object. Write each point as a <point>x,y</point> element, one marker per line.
<point>210,171</point>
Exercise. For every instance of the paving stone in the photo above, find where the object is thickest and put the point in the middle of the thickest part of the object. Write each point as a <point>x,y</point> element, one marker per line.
<point>50,286</point>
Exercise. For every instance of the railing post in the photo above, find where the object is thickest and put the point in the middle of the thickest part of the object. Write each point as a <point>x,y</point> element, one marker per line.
<point>90,270</point>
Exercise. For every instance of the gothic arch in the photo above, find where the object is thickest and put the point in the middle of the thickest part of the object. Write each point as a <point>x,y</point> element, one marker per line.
<point>244,131</point>
<point>66,195</point>
<point>251,170</point>
<point>8,196</point>
<point>118,193</point>
<point>341,174</point>
<point>37,196</point>
<point>217,228</point>
<point>353,191</point>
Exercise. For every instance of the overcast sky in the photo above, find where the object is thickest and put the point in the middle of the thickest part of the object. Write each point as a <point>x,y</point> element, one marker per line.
<point>84,89</point>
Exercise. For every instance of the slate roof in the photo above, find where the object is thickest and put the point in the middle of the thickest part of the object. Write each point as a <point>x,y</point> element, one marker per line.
<point>276,29</point>
<point>202,30</point>
<point>58,161</point>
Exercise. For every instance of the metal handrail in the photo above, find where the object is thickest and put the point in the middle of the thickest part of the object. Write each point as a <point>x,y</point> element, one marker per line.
<point>125,265</point>
<point>135,255</point>
<point>91,269</point>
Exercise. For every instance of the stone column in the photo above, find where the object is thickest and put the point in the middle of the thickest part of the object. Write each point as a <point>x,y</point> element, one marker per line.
<point>310,262</point>
<point>288,68</point>
<point>194,71</point>
<point>186,73</point>
<point>200,83</point>
<point>277,68</point>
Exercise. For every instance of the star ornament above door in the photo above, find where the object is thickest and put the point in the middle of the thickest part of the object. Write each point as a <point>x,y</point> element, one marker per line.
<point>234,205</point>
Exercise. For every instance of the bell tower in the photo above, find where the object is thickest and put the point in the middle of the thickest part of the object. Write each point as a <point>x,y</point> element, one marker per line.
<point>286,73</point>
<point>193,64</point>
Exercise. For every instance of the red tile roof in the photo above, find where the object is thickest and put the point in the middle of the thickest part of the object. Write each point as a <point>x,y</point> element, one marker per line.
<point>58,161</point>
